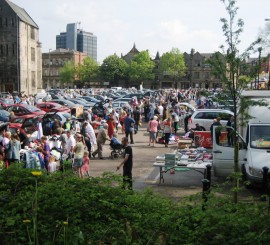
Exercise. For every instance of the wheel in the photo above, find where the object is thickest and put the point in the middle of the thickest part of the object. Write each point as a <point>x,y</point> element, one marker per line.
<point>116,155</point>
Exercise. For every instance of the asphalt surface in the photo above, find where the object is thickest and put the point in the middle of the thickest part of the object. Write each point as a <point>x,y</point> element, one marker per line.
<point>144,174</point>
<point>175,186</point>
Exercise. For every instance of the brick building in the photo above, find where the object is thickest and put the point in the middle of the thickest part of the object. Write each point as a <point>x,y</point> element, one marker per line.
<point>20,50</point>
<point>53,61</point>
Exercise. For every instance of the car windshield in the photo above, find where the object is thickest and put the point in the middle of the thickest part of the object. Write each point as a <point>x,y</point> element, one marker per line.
<point>32,108</point>
<point>260,136</point>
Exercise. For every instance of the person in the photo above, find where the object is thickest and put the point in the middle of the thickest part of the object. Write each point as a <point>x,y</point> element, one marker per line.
<point>153,125</point>
<point>44,148</point>
<point>129,127</point>
<point>86,136</point>
<point>127,164</point>
<point>52,165</point>
<point>13,149</point>
<point>101,139</point>
<point>217,131</point>
<point>198,127</point>
<point>111,125</point>
<point>85,165</point>
<point>175,119</point>
<point>167,130</point>
<point>24,139</point>
<point>121,119</point>
<point>230,123</point>
<point>137,119</point>
<point>78,154</point>
<point>67,124</point>
<point>186,119</point>
<point>70,143</point>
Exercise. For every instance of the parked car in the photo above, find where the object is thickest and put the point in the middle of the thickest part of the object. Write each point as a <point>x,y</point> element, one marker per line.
<point>75,109</point>
<point>4,102</point>
<point>21,109</point>
<point>99,97</point>
<point>60,116</point>
<point>205,117</point>
<point>28,124</point>
<point>139,96</point>
<point>52,106</point>
<point>89,99</point>
<point>85,104</point>
<point>4,116</point>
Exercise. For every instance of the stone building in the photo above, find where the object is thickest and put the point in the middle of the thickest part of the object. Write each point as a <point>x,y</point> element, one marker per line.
<point>53,61</point>
<point>198,72</point>
<point>20,50</point>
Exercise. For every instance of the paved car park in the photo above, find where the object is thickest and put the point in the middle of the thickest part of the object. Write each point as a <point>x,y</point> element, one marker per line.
<point>144,174</point>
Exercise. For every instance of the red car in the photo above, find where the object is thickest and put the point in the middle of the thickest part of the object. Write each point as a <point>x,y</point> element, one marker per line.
<point>21,109</point>
<point>27,124</point>
<point>51,106</point>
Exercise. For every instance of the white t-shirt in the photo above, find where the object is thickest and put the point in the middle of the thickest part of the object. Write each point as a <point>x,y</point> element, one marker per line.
<point>71,142</point>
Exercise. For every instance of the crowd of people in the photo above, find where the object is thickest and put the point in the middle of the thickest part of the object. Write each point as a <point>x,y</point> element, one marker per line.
<point>161,112</point>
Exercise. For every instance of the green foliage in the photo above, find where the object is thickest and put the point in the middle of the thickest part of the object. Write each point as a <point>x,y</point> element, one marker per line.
<point>230,66</point>
<point>141,68</point>
<point>88,71</point>
<point>113,69</point>
<point>67,72</point>
<point>97,211</point>
<point>172,63</point>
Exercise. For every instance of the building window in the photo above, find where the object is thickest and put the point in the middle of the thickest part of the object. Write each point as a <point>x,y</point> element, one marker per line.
<point>33,54</point>
<point>33,79</point>
<point>12,22</point>
<point>207,76</point>
<point>32,32</point>
<point>1,22</point>
<point>1,49</point>
<point>6,22</point>
<point>7,49</point>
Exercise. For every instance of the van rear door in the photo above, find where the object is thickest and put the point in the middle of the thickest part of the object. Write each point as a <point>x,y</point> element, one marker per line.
<point>223,156</point>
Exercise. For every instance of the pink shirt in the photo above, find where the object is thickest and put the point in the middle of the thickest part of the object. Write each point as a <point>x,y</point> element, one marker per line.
<point>153,126</point>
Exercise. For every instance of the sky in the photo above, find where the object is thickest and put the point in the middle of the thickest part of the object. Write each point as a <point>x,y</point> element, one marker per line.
<point>153,25</point>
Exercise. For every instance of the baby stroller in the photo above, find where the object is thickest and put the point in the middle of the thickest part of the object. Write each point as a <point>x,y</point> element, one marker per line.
<point>117,149</point>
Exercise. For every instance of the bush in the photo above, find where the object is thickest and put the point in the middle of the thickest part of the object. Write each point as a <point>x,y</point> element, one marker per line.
<point>99,211</point>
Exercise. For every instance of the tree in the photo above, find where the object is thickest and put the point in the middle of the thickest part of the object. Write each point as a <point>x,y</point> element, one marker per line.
<point>173,64</point>
<point>232,74</point>
<point>113,69</point>
<point>67,73</point>
<point>88,70</point>
<point>142,67</point>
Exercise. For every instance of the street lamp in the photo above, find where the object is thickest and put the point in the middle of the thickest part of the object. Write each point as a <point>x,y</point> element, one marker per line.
<point>268,84</point>
<point>259,66</point>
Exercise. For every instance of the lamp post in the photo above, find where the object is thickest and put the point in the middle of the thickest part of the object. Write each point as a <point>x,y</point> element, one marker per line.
<point>49,69</point>
<point>259,66</point>
<point>268,84</point>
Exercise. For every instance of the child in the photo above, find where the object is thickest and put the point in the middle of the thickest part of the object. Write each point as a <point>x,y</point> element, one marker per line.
<point>52,165</point>
<point>86,162</point>
<point>114,140</point>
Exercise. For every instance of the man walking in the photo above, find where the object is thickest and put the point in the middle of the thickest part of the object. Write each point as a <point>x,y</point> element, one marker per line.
<point>137,118</point>
<point>129,127</point>
<point>127,164</point>
<point>101,139</point>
